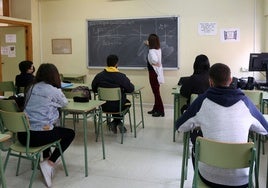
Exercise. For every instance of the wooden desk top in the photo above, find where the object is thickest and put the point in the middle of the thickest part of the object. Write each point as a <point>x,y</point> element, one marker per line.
<point>74,75</point>
<point>82,107</point>
<point>4,137</point>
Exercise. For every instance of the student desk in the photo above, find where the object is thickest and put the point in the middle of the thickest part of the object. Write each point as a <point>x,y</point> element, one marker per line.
<point>178,102</point>
<point>88,109</point>
<point>137,94</point>
<point>76,78</point>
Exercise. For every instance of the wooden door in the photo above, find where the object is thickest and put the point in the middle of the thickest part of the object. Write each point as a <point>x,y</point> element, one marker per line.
<point>13,46</point>
<point>28,39</point>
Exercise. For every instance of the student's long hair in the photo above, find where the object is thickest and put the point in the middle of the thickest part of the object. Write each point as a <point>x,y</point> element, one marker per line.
<point>49,74</point>
<point>154,42</point>
<point>201,64</point>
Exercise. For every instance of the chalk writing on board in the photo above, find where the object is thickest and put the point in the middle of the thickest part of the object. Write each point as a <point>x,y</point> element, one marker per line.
<point>126,37</point>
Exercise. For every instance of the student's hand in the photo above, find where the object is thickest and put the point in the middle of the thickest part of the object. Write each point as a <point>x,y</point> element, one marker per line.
<point>146,42</point>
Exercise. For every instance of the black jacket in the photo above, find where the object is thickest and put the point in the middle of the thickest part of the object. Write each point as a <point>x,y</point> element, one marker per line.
<point>111,80</point>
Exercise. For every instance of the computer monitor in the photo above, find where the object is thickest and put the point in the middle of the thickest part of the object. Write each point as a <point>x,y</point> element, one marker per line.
<point>259,62</point>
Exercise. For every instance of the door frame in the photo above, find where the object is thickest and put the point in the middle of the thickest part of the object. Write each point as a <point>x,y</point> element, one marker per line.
<point>28,39</point>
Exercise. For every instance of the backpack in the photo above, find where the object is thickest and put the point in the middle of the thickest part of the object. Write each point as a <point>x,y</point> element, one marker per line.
<point>85,91</point>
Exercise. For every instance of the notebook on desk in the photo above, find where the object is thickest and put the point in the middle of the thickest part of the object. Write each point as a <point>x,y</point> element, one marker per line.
<point>64,85</point>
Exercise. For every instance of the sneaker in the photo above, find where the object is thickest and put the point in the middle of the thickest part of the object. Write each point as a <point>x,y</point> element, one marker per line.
<point>48,172</point>
<point>122,128</point>
<point>113,126</point>
<point>114,129</point>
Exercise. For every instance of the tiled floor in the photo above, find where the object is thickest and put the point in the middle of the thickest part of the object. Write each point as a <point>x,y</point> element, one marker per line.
<point>152,160</point>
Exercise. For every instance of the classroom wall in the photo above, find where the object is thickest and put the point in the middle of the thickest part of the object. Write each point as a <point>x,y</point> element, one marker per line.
<point>67,19</point>
<point>266,24</point>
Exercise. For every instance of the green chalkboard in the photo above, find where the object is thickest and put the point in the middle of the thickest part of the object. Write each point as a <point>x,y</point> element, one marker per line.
<point>125,38</point>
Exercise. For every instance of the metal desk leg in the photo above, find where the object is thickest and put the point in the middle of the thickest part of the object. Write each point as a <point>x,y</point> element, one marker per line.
<point>267,173</point>
<point>185,154</point>
<point>2,173</point>
<point>176,113</point>
<point>134,112</point>
<point>258,140</point>
<point>101,130</point>
<point>134,115</point>
<point>85,142</point>
<point>142,118</point>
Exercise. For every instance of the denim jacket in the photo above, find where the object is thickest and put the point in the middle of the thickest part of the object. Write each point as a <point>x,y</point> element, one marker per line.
<point>42,104</point>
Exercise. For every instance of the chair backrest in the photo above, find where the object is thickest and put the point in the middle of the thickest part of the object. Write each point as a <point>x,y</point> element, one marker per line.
<point>110,94</point>
<point>7,86</point>
<point>224,155</point>
<point>15,121</point>
<point>9,105</point>
<point>193,97</point>
<point>255,96</point>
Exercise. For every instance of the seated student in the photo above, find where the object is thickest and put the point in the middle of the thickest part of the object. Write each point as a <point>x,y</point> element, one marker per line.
<point>43,98</point>
<point>198,82</point>
<point>110,77</point>
<point>26,77</point>
<point>224,114</point>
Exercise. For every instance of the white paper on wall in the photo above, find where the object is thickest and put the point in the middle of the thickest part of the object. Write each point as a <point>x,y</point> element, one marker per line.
<point>207,28</point>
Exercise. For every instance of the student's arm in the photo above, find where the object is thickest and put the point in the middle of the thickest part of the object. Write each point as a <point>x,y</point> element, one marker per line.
<point>62,99</point>
<point>126,84</point>
<point>260,125</point>
<point>187,121</point>
<point>186,89</point>
<point>94,86</point>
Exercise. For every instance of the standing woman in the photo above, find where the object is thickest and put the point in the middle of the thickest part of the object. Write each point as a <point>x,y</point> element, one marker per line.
<point>43,99</point>
<point>156,77</point>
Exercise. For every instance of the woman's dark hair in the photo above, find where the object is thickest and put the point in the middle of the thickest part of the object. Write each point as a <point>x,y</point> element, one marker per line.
<point>25,65</point>
<point>112,60</point>
<point>49,74</point>
<point>154,42</point>
<point>201,64</point>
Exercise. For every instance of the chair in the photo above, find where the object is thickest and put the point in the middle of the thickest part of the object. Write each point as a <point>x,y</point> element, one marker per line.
<point>3,138</point>
<point>18,122</point>
<point>224,155</point>
<point>256,96</point>
<point>186,150</point>
<point>7,86</point>
<point>9,105</point>
<point>114,94</point>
